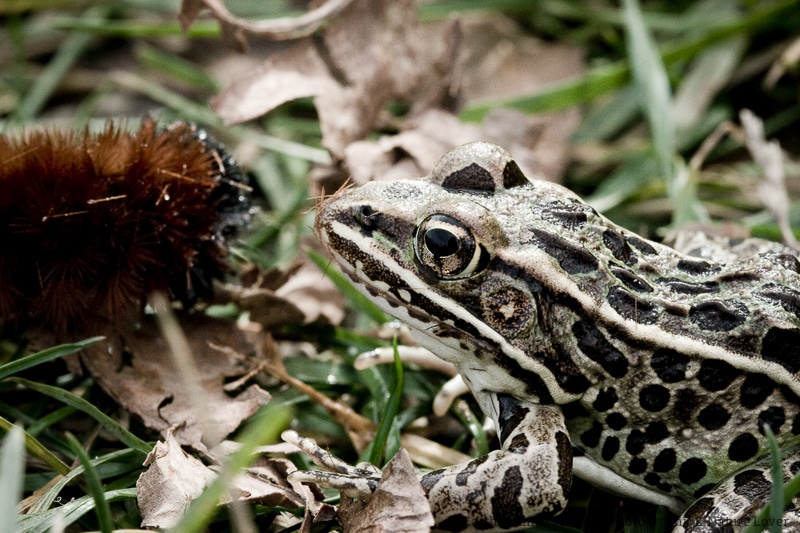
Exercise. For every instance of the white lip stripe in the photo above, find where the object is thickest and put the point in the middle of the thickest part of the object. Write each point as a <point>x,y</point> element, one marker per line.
<point>558,394</point>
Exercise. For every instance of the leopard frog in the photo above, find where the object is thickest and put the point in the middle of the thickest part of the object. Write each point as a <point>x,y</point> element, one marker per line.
<point>597,353</point>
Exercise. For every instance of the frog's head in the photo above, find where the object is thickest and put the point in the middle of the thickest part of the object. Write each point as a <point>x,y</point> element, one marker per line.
<point>433,252</point>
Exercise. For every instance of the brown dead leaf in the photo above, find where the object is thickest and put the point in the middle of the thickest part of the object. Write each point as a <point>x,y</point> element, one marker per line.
<point>500,62</point>
<point>265,483</point>
<point>314,294</point>
<point>297,294</point>
<point>172,480</point>
<point>373,53</point>
<point>137,371</point>
<point>397,505</point>
<point>503,61</point>
<point>414,152</point>
<point>772,190</point>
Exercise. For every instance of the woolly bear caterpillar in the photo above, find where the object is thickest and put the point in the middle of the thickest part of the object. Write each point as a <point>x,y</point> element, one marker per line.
<point>90,225</point>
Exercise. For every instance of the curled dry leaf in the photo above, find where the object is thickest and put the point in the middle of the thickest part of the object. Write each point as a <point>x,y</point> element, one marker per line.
<point>174,478</point>
<point>137,371</point>
<point>373,53</point>
<point>275,29</point>
<point>397,505</point>
<point>297,294</point>
<point>500,62</point>
<point>772,190</point>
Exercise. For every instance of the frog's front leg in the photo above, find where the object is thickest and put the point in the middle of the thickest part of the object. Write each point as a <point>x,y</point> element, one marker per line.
<point>528,478</point>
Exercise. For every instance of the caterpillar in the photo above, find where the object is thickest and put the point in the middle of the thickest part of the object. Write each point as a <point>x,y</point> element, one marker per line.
<point>91,224</point>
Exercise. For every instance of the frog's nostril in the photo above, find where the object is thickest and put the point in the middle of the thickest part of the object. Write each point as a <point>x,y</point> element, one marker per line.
<point>364,215</point>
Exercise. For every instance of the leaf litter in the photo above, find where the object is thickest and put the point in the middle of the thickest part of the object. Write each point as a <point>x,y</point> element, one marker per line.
<point>377,54</point>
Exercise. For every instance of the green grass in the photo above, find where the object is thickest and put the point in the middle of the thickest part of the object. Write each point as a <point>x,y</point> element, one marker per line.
<point>632,157</point>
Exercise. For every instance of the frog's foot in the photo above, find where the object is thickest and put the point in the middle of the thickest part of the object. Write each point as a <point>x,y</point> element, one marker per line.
<point>353,481</point>
<point>528,478</point>
<point>734,504</point>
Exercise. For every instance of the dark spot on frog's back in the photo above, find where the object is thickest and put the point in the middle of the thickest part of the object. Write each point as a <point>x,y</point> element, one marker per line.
<point>642,245</point>
<point>690,288</point>
<point>669,365</point>
<point>787,261</point>
<point>572,258</point>
<point>593,344</point>
<point>756,388</point>
<point>697,267</point>
<point>631,280</point>
<point>654,398</point>
<point>718,315</point>
<point>716,375</point>
<point>618,246</point>
<point>787,298</point>
<point>782,346</point>
<point>513,176</point>
<point>632,308</point>
<point>571,216</point>
<point>471,178</point>
<point>743,448</point>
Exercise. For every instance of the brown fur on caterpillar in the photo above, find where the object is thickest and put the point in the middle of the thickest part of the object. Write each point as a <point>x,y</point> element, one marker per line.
<point>90,225</point>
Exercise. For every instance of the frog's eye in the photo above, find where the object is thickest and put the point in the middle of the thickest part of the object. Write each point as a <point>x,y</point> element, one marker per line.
<point>448,248</point>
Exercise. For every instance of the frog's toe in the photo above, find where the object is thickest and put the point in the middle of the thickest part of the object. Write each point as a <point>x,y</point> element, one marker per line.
<point>353,486</point>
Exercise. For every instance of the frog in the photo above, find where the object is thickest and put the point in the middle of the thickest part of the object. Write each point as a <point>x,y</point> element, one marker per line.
<point>650,372</point>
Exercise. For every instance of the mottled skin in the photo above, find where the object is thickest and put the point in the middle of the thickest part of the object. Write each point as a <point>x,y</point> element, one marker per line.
<point>662,367</point>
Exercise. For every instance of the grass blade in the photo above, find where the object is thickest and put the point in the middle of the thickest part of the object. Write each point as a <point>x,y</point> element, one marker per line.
<point>651,80</point>
<point>82,405</point>
<point>94,484</point>
<point>63,61</point>
<point>389,417</point>
<point>49,354</point>
<point>72,511</point>
<point>601,80</point>
<point>12,472</point>
<point>36,449</point>
<point>48,498</point>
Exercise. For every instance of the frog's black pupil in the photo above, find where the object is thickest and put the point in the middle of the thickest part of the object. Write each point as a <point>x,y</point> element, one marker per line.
<point>441,242</point>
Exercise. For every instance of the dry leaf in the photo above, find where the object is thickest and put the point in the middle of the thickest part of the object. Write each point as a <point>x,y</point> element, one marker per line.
<point>373,53</point>
<point>276,29</point>
<point>397,505</point>
<point>772,190</point>
<point>266,484</point>
<point>298,294</point>
<point>500,62</point>
<point>314,295</point>
<point>137,371</point>
<point>172,480</point>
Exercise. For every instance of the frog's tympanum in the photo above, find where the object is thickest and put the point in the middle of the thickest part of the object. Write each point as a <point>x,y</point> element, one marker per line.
<point>596,352</point>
